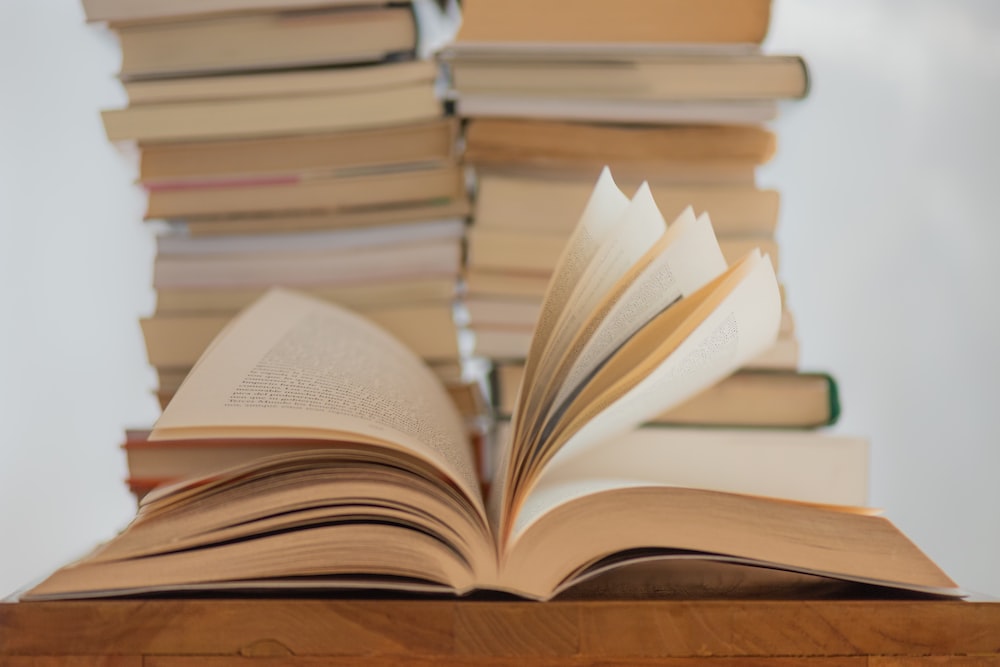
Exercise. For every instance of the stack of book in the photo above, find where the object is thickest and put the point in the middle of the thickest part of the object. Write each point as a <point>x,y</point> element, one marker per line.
<point>349,462</point>
<point>672,92</point>
<point>301,144</point>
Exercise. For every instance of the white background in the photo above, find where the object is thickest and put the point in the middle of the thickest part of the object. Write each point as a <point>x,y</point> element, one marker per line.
<point>890,234</point>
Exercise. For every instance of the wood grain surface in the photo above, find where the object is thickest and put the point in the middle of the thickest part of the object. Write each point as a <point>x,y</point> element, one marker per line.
<point>312,632</point>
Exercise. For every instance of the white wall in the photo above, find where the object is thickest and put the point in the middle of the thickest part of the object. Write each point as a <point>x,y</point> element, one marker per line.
<point>890,233</point>
<point>888,229</point>
<point>75,268</point>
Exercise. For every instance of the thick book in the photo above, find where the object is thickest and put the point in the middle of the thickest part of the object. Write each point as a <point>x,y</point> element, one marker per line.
<point>255,117</point>
<point>265,41</point>
<point>178,243</point>
<point>206,162</point>
<point>307,81</point>
<point>363,296</point>
<point>655,74</point>
<point>757,399</point>
<point>535,252</point>
<point>129,11</point>
<point>502,141</point>
<point>639,317</point>
<point>327,258</point>
<point>413,260</point>
<point>303,193</point>
<point>428,330</point>
<point>341,218</point>
<point>623,22</point>
<point>595,108</point>
<point>511,201</point>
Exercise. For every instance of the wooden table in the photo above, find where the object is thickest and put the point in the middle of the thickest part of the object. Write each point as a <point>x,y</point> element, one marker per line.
<point>676,633</point>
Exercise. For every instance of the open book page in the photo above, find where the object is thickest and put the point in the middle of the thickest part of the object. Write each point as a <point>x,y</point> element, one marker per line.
<point>637,230</point>
<point>301,490</point>
<point>831,472</point>
<point>345,515</point>
<point>687,348</point>
<point>295,367</point>
<point>607,517</point>
<point>603,208</point>
<point>332,553</point>
<point>681,262</point>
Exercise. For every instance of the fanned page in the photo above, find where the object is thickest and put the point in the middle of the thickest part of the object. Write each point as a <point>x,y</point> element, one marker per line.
<point>294,367</point>
<point>606,203</point>
<point>683,259</point>
<point>684,350</point>
<point>636,230</point>
<point>618,383</point>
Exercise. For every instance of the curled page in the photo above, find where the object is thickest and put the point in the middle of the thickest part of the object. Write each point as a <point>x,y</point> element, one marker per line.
<point>734,330</point>
<point>296,367</point>
<point>604,207</point>
<point>637,230</point>
<point>687,258</point>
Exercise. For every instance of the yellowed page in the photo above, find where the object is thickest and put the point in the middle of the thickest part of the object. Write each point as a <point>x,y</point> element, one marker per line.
<point>691,260</point>
<point>632,362</point>
<point>636,231</point>
<point>768,532</point>
<point>604,207</point>
<point>293,366</point>
<point>741,326</point>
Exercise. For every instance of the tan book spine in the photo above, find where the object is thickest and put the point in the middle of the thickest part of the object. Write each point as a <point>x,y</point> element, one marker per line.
<point>564,21</point>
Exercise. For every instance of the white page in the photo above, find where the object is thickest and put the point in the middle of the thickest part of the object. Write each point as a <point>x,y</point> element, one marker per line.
<point>691,260</point>
<point>744,325</point>
<point>637,230</point>
<point>806,467</point>
<point>603,208</point>
<point>316,370</point>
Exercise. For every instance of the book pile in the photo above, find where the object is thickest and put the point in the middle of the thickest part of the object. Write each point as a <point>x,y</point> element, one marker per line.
<point>301,144</point>
<point>320,451</point>
<point>672,92</point>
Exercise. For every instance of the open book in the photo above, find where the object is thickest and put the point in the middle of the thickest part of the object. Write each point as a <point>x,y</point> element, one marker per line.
<point>377,488</point>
